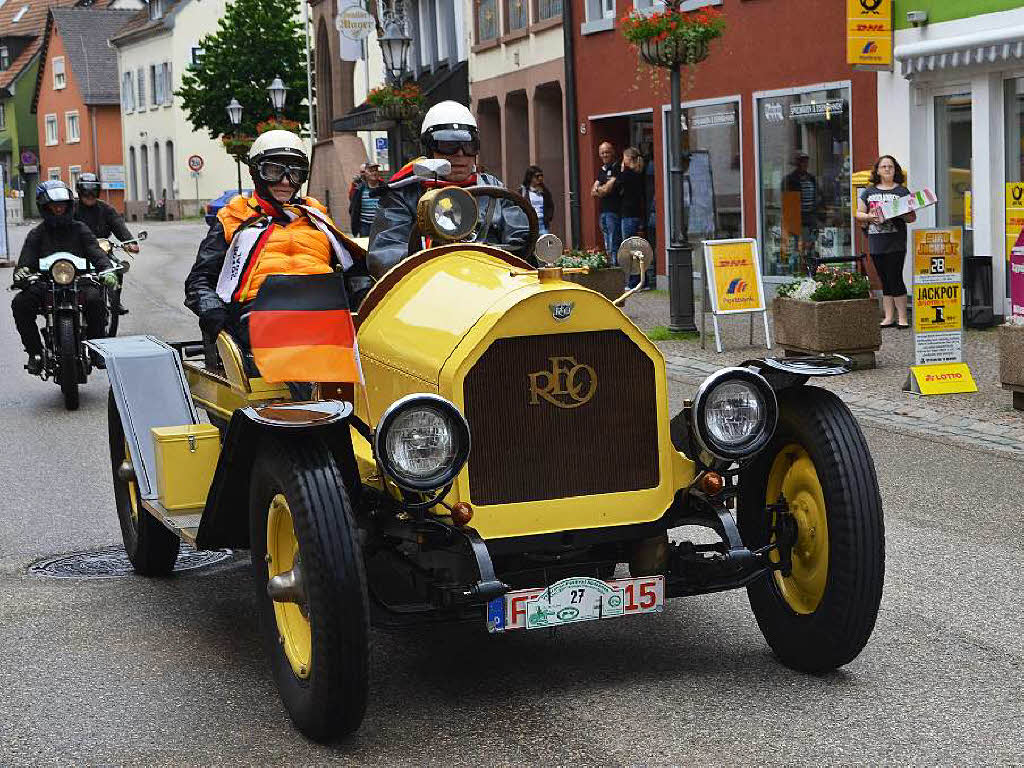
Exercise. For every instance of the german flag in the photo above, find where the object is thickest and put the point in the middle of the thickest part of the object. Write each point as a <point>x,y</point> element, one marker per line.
<point>301,329</point>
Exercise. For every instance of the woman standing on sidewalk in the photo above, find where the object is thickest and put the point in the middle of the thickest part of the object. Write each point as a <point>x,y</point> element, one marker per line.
<point>534,190</point>
<point>887,239</point>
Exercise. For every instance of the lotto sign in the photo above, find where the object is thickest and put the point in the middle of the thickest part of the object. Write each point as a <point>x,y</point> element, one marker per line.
<point>938,255</point>
<point>1014,214</point>
<point>943,379</point>
<point>735,276</point>
<point>869,33</point>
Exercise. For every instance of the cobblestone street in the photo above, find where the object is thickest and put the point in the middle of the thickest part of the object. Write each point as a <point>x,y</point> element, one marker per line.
<point>984,420</point>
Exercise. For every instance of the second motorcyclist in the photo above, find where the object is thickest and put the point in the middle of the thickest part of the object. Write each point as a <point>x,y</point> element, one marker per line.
<point>102,218</point>
<point>449,132</point>
<point>59,231</point>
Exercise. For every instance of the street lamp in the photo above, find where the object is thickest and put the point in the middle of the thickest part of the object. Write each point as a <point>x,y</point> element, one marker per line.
<point>394,46</point>
<point>278,92</point>
<point>235,116</point>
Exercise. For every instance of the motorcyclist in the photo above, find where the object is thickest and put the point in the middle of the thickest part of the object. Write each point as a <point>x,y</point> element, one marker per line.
<point>449,131</point>
<point>101,218</point>
<point>58,232</point>
<point>276,231</point>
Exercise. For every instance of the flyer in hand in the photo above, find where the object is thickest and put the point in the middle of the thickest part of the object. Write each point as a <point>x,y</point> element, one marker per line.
<point>921,199</point>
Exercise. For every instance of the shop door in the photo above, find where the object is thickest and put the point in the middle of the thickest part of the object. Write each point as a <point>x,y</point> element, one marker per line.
<point>953,164</point>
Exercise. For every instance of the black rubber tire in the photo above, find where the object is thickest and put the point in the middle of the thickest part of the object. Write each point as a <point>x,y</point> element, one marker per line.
<point>151,547</point>
<point>839,627</point>
<point>67,354</point>
<point>330,703</point>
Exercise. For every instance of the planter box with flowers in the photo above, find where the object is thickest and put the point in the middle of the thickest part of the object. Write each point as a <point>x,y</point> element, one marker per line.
<point>1011,360</point>
<point>831,313</point>
<point>672,36</point>
<point>396,103</point>
<point>604,278</point>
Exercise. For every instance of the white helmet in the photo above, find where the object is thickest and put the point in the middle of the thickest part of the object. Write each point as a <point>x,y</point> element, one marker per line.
<point>276,143</point>
<point>447,121</point>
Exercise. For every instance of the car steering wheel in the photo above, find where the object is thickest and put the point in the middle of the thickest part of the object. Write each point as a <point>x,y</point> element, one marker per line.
<point>483,226</point>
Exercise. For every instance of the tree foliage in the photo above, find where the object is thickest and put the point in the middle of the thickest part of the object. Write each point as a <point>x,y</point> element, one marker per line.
<point>255,41</point>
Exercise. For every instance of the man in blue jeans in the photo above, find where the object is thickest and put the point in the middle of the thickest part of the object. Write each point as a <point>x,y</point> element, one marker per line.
<point>610,196</point>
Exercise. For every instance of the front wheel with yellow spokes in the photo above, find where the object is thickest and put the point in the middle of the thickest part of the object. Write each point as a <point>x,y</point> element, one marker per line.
<point>310,584</point>
<point>813,493</point>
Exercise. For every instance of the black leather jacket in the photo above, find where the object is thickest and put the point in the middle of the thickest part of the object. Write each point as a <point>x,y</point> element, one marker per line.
<point>103,220</point>
<point>389,238</point>
<point>74,237</point>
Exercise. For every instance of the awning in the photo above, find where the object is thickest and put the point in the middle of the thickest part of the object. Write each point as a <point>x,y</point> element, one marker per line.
<point>436,86</point>
<point>989,46</point>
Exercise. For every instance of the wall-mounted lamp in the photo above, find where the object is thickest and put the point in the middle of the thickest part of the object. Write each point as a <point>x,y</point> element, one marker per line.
<point>917,18</point>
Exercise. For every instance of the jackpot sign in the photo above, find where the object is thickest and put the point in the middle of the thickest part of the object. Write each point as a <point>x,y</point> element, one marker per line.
<point>938,296</point>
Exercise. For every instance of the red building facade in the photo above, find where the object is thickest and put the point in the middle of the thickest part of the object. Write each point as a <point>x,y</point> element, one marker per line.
<point>775,88</point>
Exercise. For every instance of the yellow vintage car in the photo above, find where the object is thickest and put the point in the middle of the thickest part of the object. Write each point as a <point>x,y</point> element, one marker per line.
<point>511,461</point>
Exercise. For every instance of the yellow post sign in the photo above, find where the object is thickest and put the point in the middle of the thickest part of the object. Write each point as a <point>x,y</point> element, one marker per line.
<point>869,33</point>
<point>732,279</point>
<point>938,314</point>
<point>1014,214</point>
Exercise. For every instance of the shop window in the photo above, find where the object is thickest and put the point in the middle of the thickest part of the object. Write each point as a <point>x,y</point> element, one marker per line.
<point>59,77</point>
<point>51,130</point>
<point>803,178</point>
<point>548,9</point>
<point>713,192</point>
<point>515,15</point>
<point>486,20</point>
<point>72,134</point>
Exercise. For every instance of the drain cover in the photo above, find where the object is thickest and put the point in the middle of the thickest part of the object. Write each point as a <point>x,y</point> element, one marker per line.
<point>112,562</point>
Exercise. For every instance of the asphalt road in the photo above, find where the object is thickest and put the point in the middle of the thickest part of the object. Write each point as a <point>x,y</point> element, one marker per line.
<point>168,672</point>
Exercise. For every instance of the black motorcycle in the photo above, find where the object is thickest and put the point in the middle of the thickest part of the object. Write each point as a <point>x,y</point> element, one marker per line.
<point>112,296</point>
<point>65,357</point>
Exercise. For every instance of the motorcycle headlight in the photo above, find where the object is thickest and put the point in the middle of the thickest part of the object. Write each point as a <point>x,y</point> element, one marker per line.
<point>734,413</point>
<point>422,442</point>
<point>62,272</point>
<point>449,213</point>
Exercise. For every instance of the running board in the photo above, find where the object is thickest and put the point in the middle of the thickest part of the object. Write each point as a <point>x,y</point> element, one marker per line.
<point>184,522</point>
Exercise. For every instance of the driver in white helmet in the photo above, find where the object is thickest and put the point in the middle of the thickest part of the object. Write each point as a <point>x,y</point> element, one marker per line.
<point>448,132</point>
<point>274,232</point>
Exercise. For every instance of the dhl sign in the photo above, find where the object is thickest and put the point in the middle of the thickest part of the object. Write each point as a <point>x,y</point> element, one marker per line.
<point>869,33</point>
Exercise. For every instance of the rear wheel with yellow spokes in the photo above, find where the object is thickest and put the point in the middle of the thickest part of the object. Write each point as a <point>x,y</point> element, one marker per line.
<point>310,584</point>
<point>813,492</point>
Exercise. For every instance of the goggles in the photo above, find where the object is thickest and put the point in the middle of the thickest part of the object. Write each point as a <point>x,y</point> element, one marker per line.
<point>272,171</point>
<point>469,148</point>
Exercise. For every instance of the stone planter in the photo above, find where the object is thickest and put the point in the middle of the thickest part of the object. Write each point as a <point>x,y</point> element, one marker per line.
<point>813,327</point>
<point>668,52</point>
<point>1011,362</point>
<point>610,283</point>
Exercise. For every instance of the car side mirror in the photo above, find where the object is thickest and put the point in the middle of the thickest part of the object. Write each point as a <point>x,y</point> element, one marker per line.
<point>142,235</point>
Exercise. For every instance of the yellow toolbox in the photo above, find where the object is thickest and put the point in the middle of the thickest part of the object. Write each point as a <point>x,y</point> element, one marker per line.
<point>186,458</point>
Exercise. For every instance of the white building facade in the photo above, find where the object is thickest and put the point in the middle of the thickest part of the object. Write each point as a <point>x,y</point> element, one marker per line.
<point>953,113</point>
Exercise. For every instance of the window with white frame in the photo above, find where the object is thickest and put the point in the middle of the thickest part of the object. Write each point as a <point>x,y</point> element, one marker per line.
<point>74,171</point>
<point>3,115</point>
<point>548,9</point>
<point>59,78</point>
<point>50,121</point>
<point>5,57</point>
<point>197,55</point>
<point>72,135</point>
<point>127,92</point>
<point>168,89</point>
<point>600,15</point>
<point>156,10</point>
<point>140,91</point>
<point>53,174</point>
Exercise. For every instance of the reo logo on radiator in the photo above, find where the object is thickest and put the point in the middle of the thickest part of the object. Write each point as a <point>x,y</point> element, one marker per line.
<point>561,310</point>
<point>567,384</point>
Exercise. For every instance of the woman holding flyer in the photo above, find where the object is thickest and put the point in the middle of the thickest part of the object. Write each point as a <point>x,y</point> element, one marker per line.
<point>887,238</point>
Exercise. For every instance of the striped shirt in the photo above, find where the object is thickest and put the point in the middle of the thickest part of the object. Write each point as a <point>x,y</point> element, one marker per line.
<point>368,206</point>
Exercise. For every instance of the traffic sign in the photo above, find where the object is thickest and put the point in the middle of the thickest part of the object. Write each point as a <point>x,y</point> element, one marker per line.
<point>195,163</point>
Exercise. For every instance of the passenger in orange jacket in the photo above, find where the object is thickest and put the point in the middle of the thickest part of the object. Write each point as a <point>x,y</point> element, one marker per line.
<point>274,232</point>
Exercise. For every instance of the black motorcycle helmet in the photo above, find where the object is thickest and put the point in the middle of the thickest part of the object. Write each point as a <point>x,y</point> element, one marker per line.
<point>87,184</point>
<point>54,191</point>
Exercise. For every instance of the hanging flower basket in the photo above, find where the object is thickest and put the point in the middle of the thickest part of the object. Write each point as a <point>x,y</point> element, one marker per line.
<point>237,146</point>
<point>396,103</point>
<point>397,111</point>
<point>278,124</point>
<point>672,51</point>
<point>672,37</point>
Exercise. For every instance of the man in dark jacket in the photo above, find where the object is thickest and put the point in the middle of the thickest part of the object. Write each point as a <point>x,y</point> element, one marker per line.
<point>58,232</point>
<point>363,205</point>
<point>448,132</point>
<point>100,217</point>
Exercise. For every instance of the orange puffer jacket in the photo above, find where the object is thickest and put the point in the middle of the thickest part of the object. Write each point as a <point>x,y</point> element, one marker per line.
<point>295,248</point>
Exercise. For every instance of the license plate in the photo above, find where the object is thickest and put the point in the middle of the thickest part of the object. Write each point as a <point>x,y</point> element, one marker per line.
<point>578,598</point>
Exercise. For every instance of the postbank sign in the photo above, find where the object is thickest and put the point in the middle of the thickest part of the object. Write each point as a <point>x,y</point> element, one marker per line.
<point>735,277</point>
<point>869,33</point>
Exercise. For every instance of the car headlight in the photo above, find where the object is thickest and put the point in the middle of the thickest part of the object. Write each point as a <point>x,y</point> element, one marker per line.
<point>450,213</point>
<point>62,272</point>
<point>734,413</point>
<point>422,442</point>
